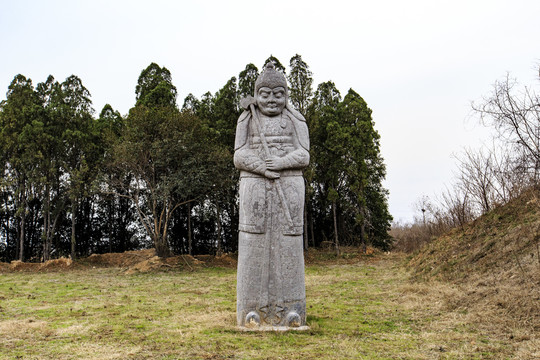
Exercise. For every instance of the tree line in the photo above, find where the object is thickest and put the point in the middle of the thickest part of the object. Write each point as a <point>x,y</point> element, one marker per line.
<point>162,176</point>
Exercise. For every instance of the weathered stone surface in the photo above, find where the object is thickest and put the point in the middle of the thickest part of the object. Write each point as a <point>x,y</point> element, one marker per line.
<point>271,148</point>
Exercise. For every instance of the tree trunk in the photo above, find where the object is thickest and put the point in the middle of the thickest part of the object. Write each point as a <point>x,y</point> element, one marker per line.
<point>46,223</point>
<point>162,249</point>
<point>8,239</point>
<point>17,235</point>
<point>363,237</point>
<point>190,241</point>
<point>23,222</point>
<point>110,205</point>
<point>6,226</point>
<point>336,239</point>
<point>160,233</point>
<point>219,251</point>
<point>312,226</point>
<point>73,223</point>
<point>21,234</point>
<point>305,227</point>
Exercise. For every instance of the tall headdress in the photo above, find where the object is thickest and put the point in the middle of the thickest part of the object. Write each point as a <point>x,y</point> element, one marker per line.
<point>270,77</point>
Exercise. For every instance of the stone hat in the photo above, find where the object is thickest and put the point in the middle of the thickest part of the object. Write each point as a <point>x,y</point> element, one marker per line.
<point>270,78</point>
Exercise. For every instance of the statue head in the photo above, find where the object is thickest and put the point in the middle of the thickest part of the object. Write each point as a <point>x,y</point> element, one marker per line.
<point>271,91</point>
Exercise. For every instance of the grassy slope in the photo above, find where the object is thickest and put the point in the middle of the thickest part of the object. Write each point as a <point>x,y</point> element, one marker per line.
<point>358,308</point>
<point>494,263</point>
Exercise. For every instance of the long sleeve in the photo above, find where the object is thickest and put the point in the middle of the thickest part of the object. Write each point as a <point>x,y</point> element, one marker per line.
<point>297,159</point>
<point>248,159</point>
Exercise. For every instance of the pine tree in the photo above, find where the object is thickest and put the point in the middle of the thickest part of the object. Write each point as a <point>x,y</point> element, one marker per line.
<point>246,80</point>
<point>300,84</point>
<point>19,117</point>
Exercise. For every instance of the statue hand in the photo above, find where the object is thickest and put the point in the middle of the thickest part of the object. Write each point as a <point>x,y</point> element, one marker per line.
<point>271,174</point>
<point>274,163</point>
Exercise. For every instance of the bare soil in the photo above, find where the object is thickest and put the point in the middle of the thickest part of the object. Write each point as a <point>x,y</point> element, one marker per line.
<point>131,262</point>
<point>142,261</point>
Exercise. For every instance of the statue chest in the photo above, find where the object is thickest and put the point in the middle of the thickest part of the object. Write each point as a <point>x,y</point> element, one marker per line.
<point>279,134</point>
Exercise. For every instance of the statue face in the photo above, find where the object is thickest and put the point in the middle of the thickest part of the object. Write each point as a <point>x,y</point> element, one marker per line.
<point>271,102</point>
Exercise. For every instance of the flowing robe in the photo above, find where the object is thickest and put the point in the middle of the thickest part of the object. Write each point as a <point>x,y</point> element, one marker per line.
<point>270,278</point>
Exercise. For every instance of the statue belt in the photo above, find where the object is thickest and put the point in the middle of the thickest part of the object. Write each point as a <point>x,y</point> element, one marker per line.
<point>282,173</point>
<point>274,139</point>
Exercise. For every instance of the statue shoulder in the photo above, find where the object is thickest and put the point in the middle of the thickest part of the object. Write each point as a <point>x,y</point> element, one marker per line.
<point>300,126</point>
<point>244,116</point>
<point>295,113</point>
<point>242,129</point>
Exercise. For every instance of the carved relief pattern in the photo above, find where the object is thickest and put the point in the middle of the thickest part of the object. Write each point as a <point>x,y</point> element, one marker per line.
<point>272,314</point>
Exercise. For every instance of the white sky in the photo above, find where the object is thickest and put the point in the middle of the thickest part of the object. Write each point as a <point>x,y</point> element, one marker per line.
<point>417,63</point>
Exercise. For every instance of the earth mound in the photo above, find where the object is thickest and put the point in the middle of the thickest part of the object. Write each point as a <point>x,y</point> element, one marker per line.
<point>55,264</point>
<point>494,261</point>
<point>131,262</point>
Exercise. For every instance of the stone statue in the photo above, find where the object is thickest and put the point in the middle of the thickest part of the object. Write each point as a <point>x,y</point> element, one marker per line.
<point>271,149</point>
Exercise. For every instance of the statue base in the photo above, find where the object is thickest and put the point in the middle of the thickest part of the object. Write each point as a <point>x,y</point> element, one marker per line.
<point>273,328</point>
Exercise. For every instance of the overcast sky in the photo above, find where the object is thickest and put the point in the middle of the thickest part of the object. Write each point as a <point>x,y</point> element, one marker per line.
<point>417,63</point>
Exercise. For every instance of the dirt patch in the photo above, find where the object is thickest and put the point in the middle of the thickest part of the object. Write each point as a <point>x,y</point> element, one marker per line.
<point>225,260</point>
<point>132,262</point>
<point>62,263</point>
<point>122,260</point>
<point>142,261</point>
<point>56,264</point>
<point>348,255</point>
<point>182,262</point>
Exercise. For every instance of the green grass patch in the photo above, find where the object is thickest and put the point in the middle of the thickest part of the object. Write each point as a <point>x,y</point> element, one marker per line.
<point>355,311</point>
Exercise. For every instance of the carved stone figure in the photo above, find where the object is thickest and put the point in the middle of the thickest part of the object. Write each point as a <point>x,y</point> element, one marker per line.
<point>271,148</point>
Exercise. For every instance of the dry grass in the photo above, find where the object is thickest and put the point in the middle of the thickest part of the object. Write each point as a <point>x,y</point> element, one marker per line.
<point>411,237</point>
<point>495,262</point>
<point>489,272</point>
<point>359,307</point>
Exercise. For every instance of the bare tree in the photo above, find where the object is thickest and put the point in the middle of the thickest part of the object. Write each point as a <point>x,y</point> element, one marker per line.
<point>458,209</point>
<point>510,174</point>
<point>476,178</point>
<point>516,117</point>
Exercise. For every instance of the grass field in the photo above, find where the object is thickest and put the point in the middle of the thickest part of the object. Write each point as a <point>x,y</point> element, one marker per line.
<point>366,308</point>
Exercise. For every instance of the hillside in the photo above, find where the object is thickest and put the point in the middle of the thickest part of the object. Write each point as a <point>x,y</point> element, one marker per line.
<point>495,263</point>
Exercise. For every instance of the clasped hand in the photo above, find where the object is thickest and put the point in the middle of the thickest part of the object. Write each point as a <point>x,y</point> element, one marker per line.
<point>273,165</point>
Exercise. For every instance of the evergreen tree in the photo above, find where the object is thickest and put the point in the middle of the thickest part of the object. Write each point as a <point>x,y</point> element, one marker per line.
<point>191,103</point>
<point>225,113</point>
<point>171,171</point>
<point>277,64</point>
<point>49,179</point>
<point>155,87</point>
<point>246,80</point>
<point>19,116</point>
<point>80,150</point>
<point>168,156</point>
<point>115,212</point>
<point>364,171</point>
<point>205,107</point>
<point>300,84</point>
<point>327,154</point>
